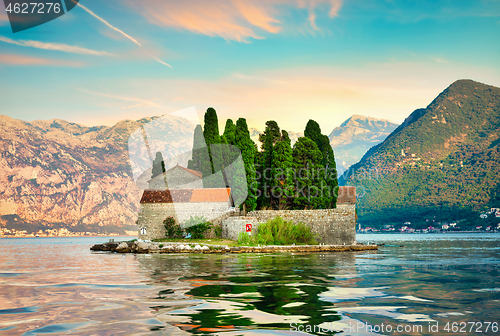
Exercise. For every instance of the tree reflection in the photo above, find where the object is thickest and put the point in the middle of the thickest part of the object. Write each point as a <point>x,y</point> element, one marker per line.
<point>249,291</point>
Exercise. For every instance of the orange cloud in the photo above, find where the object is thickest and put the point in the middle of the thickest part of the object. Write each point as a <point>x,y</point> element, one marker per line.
<point>3,16</point>
<point>54,46</point>
<point>12,59</point>
<point>236,20</point>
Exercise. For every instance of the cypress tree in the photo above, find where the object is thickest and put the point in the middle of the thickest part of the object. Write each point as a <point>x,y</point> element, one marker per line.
<point>313,132</point>
<point>158,165</point>
<point>229,133</point>
<point>268,140</point>
<point>310,179</point>
<point>248,151</point>
<point>213,140</point>
<point>211,127</point>
<point>200,160</point>
<point>282,184</point>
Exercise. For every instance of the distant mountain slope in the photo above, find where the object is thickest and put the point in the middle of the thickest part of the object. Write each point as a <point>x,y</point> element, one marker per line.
<point>442,163</point>
<point>355,136</point>
<point>60,173</point>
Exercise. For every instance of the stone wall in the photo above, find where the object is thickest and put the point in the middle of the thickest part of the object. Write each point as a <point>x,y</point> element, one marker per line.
<point>152,215</point>
<point>232,226</point>
<point>332,226</point>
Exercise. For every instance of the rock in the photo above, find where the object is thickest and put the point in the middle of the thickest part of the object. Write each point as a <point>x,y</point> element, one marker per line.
<point>205,248</point>
<point>123,248</point>
<point>141,247</point>
<point>197,248</point>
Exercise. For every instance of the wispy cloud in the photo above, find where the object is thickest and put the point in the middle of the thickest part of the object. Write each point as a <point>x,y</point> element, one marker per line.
<point>120,32</point>
<point>11,59</point>
<point>161,62</point>
<point>140,102</point>
<point>236,20</point>
<point>440,60</point>
<point>109,25</point>
<point>54,46</point>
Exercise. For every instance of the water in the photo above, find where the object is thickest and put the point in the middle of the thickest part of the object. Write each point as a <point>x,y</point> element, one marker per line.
<point>56,286</point>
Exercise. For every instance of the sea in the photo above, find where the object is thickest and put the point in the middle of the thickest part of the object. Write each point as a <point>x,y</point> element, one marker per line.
<point>415,284</point>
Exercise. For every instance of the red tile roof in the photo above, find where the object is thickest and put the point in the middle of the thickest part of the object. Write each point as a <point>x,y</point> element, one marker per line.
<point>186,195</point>
<point>211,195</point>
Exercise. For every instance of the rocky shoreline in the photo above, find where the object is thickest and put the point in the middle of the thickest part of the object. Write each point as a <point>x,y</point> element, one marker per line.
<point>151,247</point>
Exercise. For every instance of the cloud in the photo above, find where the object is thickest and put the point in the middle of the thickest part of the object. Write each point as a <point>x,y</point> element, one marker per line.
<point>140,102</point>
<point>11,59</point>
<point>3,16</point>
<point>161,62</point>
<point>120,32</point>
<point>109,25</point>
<point>236,20</point>
<point>55,46</point>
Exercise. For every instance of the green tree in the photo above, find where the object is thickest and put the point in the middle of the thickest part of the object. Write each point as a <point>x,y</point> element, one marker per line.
<point>248,151</point>
<point>313,132</point>
<point>158,165</point>
<point>212,138</point>
<point>229,133</point>
<point>211,127</point>
<point>310,181</point>
<point>268,140</point>
<point>200,159</point>
<point>282,184</point>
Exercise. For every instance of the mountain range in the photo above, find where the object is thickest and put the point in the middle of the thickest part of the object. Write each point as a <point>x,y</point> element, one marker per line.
<point>55,173</point>
<point>355,136</point>
<point>441,164</point>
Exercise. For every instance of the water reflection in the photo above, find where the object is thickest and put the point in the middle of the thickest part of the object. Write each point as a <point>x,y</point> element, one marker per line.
<point>248,291</point>
<point>59,287</point>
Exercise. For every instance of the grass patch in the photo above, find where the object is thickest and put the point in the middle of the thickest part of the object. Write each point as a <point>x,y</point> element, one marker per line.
<point>278,231</point>
<point>197,241</point>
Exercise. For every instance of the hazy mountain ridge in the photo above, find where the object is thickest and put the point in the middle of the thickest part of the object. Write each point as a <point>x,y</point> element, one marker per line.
<point>443,160</point>
<point>355,136</point>
<point>54,171</point>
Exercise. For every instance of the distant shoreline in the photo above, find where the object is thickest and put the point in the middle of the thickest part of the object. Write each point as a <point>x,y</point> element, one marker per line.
<point>426,233</point>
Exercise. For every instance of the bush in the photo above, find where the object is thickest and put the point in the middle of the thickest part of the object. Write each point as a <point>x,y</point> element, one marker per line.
<point>278,231</point>
<point>198,231</point>
<point>197,227</point>
<point>218,231</point>
<point>193,220</point>
<point>172,229</point>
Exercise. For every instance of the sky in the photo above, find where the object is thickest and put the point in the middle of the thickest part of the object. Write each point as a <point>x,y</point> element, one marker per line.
<point>288,61</point>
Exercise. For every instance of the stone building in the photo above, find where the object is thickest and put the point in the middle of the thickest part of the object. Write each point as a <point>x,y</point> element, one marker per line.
<point>177,177</point>
<point>182,204</point>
